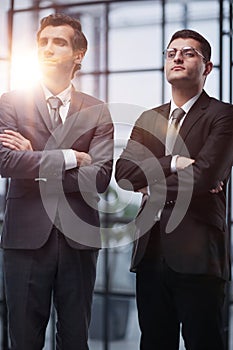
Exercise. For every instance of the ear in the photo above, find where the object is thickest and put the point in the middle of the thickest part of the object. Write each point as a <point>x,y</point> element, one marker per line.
<point>208,68</point>
<point>79,56</point>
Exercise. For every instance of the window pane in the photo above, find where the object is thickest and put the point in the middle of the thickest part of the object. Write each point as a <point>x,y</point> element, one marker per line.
<point>142,89</point>
<point>91,84</point>
<point>134,36</point>
<point>4,6</point>
<point>92,18</point>
<point>205,19</point>
<point>24,69</point>
<point>20,4</point>
<point>4,69</point>
<point>122,323</point>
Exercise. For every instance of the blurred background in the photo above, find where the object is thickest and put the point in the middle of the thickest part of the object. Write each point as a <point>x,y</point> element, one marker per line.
<point>124,67</point>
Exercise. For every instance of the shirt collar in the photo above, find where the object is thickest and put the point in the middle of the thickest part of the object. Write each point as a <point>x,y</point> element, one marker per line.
<point>186,107</point>
<point>64,96</point>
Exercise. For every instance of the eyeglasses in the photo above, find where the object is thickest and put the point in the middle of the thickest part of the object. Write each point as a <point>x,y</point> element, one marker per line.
<point>186,52</point>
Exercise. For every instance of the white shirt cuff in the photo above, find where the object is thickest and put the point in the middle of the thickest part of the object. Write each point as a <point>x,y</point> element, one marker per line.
<point>173,163</point>
<point>70,159</point>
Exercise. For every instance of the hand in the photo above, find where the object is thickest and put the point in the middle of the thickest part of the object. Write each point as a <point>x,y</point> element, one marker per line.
<point>15,141</point>
<point>143,190</point>
<point>183,162</point>
<point>218,188</point>
<point>82,158</point>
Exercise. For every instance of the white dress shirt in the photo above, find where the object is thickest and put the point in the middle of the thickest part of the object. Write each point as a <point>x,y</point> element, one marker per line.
<point>65,97</point>
<point>186,107</point>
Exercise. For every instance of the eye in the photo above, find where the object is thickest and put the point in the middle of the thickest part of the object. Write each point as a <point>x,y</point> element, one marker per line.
<point>60,42</point>
<point>42,42</point>
<point>171,53</point>
<point>189,52</point>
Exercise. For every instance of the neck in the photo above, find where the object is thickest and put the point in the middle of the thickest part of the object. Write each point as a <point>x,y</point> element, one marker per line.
<point>54,86</point>
<point>181,96</point>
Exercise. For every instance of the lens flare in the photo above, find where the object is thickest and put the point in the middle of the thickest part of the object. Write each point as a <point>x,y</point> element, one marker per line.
<point>24,70</point>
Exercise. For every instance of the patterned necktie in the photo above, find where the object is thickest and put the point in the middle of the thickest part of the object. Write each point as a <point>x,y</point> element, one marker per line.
<point>55,103</point>
<point>172,132</point>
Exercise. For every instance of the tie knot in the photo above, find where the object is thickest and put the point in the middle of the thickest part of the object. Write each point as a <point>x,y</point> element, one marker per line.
<point>54,102</point>
<point>177,115</point>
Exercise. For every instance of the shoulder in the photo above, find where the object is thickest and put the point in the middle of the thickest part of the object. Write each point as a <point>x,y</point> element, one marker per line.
<point>155,113</point>
<point>88,100</point>
<point>12,100</point>
<point>220,105</point>
<point>21,96</point>
<point>215,105</point>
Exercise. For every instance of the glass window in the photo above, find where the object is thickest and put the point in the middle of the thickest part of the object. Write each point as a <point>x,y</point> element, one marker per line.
<point>93,23</point>
<point>129,74</point>
<point>4,69</point>
<point>134,35</point>
<point>142,89</point>
<point>24,4</point>
<point>91,84</point>
<point>122,324</point>
<point>24,68</point>
<point>4,6</point>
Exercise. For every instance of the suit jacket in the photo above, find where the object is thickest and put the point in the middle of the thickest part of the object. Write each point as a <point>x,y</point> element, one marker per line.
<point>192,221</point>
<point>40,187</point>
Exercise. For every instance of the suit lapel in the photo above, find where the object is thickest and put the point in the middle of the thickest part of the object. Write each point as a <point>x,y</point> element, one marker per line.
<point>62,131</point>
<point>159,127</point>
<point>41,104</point>
<point>76,103</point>
<point>196,112</point>
<point>193,116</point>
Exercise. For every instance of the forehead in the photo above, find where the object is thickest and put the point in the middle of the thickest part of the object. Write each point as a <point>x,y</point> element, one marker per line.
<point>180,42</point>
<point>62,31</point>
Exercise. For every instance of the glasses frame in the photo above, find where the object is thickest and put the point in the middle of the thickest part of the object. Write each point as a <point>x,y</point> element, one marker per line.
<point>165,52</point>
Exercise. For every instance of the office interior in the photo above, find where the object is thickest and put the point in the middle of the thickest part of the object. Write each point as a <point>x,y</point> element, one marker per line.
<point>124,67</point>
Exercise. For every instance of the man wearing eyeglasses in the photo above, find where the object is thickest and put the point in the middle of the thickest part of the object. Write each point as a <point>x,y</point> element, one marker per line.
<point>180,156</point>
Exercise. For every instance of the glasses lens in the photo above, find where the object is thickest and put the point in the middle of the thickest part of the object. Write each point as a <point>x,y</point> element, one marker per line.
<point>170,53</point>
<point>188,52</point>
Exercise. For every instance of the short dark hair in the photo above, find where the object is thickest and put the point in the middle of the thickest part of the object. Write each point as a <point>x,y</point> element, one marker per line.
<point>79,41</point>
<point>188,33</point>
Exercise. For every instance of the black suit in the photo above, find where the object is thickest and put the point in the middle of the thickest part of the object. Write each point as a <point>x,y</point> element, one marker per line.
<point>190,238</point>
<point>42,193</point>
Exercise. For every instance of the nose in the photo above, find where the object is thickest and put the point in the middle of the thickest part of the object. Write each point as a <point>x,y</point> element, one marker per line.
<point>178,56</point>
<point>48,49</point>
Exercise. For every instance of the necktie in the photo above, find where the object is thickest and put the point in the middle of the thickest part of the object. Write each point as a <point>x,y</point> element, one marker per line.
<point>55,104</point>
<point>172,132</point>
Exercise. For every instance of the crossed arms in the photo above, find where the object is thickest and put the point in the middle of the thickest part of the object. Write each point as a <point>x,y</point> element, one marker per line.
<point>16,142</point>
<point>27,153</point>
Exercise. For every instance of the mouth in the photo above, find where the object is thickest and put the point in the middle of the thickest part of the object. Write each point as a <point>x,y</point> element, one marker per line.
<point>48,61</point>
<point>175,68</point>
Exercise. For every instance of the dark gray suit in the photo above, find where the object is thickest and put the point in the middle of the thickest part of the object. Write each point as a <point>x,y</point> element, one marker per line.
<point>190,237</point>
<point>40,192</point>
<point>207,133</point>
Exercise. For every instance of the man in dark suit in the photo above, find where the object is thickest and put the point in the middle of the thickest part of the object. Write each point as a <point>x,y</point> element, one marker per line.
<point>51,235</point>
<point>181,163</point>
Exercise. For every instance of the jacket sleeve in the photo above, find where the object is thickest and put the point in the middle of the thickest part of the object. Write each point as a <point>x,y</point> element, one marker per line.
<point>96,176</point>
<point>212,164</point>
<point>138,165</point>
<point>25,164</point>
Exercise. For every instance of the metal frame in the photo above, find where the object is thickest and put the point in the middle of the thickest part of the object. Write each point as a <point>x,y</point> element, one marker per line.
<point>106,293</point>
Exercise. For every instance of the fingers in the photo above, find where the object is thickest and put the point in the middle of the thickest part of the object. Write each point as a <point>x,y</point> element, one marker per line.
<point>15,141</point>
<point>218,188</point>
<point>143,190</point>
<point>86,159</point>
<point>183,162</point>
<point>83,159</point>
<point>16,134</point>
<point>9,142</point>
